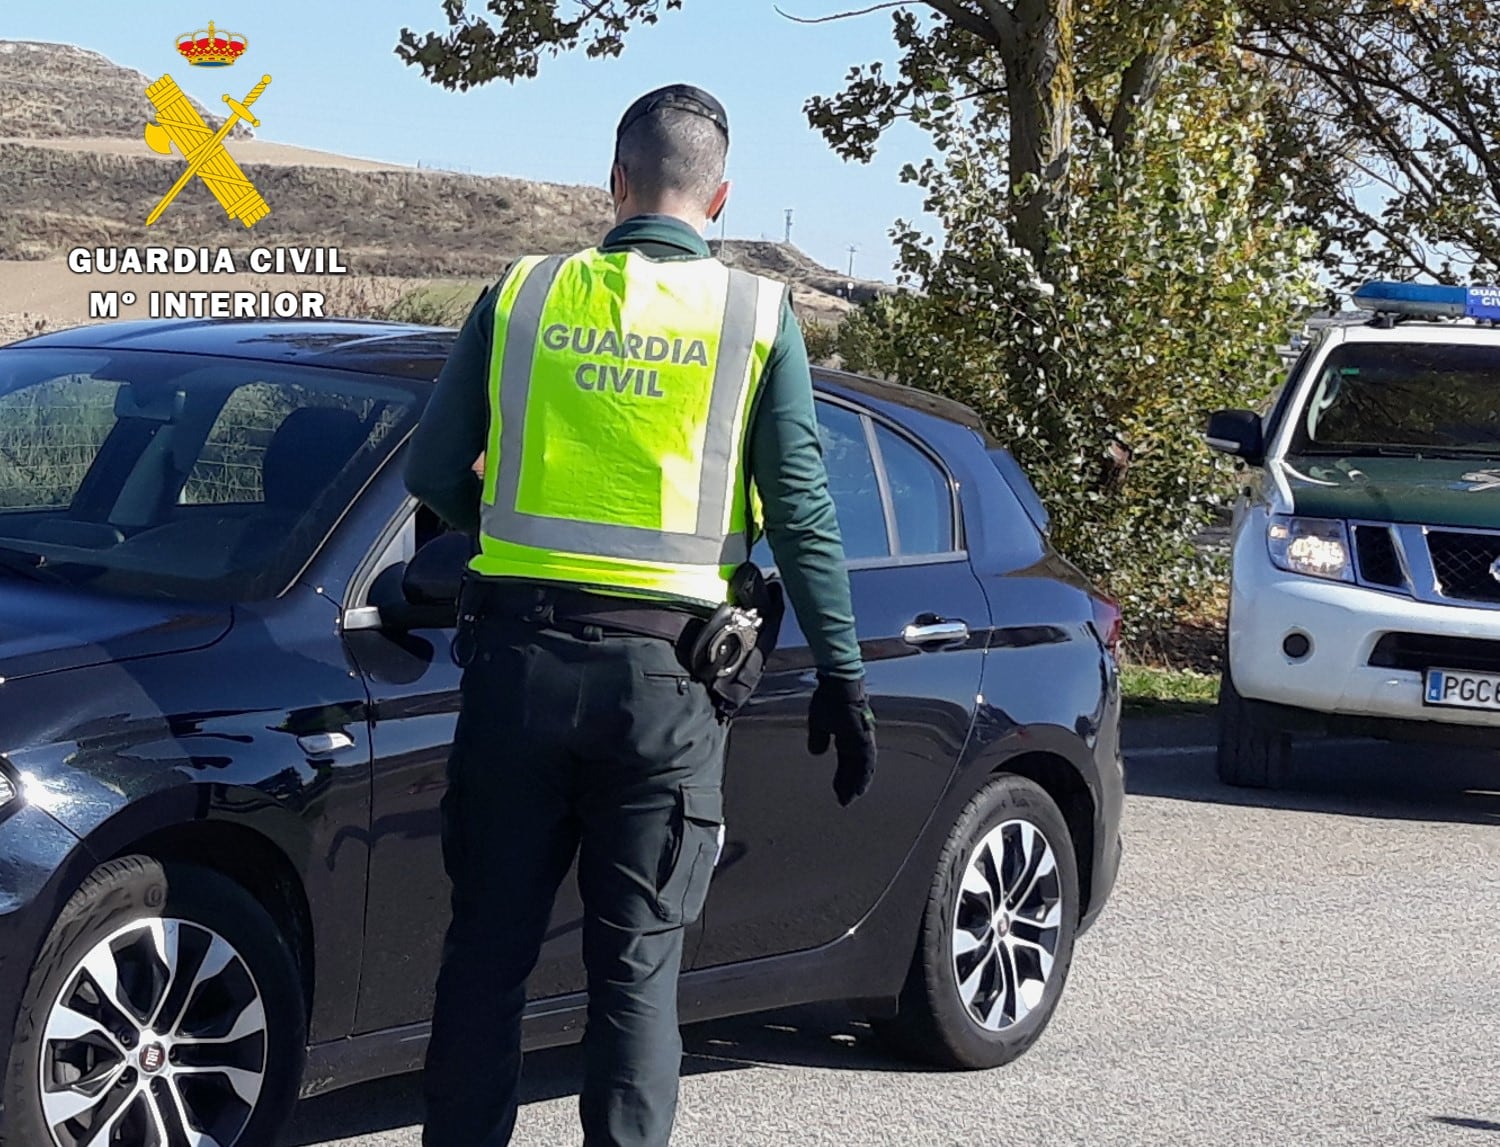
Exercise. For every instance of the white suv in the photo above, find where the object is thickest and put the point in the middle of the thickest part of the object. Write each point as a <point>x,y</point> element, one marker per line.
<point>1365,585</point>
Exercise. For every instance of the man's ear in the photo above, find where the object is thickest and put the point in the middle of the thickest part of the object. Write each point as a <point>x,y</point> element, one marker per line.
<point>716,204</point>
<point>619,186</point>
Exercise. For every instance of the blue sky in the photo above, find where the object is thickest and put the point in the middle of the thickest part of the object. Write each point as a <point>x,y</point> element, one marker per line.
<point>337,86</point>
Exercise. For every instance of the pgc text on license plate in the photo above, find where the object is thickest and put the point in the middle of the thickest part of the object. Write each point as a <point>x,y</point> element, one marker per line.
<point>1460,689</point>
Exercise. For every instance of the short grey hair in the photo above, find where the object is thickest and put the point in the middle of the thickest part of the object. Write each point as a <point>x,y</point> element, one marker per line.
<point>673,153</point>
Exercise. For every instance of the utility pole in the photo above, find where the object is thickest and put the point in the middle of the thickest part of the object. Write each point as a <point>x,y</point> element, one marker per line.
<point>788,227</point>
<point>852,249</point>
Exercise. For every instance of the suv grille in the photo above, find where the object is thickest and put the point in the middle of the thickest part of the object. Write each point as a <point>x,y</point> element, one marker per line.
<point>1375,552</point>
<point>1422,651</point>
<point>1462,563</point>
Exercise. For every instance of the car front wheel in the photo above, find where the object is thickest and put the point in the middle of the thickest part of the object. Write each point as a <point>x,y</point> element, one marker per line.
<point>997,932</point>
<point>164,1009</point>
<point>1253,749</point>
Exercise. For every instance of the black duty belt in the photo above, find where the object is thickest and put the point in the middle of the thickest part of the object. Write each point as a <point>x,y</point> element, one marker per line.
<point>568,608</point>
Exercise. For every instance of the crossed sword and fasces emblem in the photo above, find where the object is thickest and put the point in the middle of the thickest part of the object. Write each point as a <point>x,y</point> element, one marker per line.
<point>177,121</point>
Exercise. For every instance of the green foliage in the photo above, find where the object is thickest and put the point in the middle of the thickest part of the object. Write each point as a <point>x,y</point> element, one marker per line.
<point>822,341</point>
<point>510,44</point>
<point>1173,275</point>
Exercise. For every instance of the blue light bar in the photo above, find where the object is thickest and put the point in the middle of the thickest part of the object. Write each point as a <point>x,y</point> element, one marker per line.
<point>1426,301</point>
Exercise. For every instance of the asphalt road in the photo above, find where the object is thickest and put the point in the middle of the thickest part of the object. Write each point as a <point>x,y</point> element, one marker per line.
<point>1317,966</point>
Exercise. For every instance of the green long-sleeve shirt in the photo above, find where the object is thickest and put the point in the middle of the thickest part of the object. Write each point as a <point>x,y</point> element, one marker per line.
<point>786,456</point>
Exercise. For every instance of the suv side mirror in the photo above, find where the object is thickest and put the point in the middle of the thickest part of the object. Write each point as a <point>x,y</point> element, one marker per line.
<point>1237,432</point>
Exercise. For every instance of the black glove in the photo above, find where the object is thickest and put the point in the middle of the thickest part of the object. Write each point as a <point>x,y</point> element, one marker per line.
<point>840,712</point>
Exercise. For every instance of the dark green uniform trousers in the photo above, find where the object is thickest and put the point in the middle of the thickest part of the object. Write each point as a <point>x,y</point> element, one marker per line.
<point>584,744</point>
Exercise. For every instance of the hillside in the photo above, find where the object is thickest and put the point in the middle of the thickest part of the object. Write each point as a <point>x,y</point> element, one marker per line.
<point>75,172</point>
<point>393,222</point>
<point>57,91</point>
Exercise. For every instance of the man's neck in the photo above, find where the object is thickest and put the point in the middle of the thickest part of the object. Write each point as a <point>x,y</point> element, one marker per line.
<point>696,225</point>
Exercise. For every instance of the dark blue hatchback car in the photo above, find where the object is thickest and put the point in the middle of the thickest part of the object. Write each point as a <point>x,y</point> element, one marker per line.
<point>225,706</point>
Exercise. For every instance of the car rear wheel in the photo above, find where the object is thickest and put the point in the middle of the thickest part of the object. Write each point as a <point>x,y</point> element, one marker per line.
<point>997,933</point>
<point>1253,749</point>
<point>164,1009</point>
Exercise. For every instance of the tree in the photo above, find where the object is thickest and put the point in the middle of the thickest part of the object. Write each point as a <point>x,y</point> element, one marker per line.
<point>1181,268</point>
<point>1390,129</point>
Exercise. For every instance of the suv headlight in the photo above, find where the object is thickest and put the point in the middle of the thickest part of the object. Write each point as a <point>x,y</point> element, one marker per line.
<point>1318,547</point>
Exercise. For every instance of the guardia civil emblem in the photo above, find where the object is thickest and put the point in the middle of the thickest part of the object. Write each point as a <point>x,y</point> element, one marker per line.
<point>179,125</point>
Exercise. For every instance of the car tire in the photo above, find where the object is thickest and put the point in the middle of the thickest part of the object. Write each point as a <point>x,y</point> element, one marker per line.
<point>152,928</point>
<point>1253,750</point>
<point>980,990</point>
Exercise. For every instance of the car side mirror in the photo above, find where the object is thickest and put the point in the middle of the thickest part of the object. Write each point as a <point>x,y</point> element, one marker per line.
<point>1237,432</point>
<point>435,572</point>
<point>419,594</point>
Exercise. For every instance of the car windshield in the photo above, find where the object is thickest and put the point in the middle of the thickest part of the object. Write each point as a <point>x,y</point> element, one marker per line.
<point>1397,398</point>
<point>181,476</point>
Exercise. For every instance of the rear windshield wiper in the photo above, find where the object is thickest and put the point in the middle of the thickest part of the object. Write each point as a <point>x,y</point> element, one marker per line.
<point>28,565</point>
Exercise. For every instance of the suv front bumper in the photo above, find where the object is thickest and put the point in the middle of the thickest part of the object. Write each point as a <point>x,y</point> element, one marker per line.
<point>1343,623</point>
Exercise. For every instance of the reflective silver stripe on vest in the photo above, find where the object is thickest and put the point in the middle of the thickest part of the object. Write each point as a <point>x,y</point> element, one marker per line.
<point>707,546</point>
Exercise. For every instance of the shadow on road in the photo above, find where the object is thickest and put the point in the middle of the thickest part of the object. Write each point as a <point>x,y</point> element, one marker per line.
<point>818,1035</point>
<point>1351,778</point>
<point>1469,1124</point>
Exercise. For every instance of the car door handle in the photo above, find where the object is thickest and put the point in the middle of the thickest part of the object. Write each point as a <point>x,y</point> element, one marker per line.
<point>325,744</point>
<point>935,632</point>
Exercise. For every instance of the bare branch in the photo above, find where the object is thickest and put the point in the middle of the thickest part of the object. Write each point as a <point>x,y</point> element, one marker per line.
<point>843,15</point>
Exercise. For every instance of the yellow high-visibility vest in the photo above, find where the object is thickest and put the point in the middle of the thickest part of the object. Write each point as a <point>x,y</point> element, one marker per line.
<point>620,397</point>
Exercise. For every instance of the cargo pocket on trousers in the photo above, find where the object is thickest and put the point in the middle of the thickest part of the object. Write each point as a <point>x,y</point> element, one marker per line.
<point>697,827</point>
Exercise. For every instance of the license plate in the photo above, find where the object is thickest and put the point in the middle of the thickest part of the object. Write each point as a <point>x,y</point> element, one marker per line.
<point>1460,689</point>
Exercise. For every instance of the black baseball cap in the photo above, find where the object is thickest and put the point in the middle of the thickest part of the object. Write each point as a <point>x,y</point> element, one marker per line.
<point>684,97</point>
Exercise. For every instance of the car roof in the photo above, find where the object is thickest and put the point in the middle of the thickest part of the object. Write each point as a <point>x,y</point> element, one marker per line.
<point>894,394</point>
<point>392,348</point>
<point>376,347</point>
<point>1416,331</point>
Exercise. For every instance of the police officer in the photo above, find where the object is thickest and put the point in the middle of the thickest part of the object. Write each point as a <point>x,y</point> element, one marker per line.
<point>639,408</point>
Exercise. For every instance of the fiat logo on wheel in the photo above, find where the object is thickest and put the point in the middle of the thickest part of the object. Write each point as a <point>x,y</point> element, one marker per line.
<point>153,1056</point>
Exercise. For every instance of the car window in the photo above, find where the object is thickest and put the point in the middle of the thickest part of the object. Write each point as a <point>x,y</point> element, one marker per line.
<point>182,475</point>
<point>1274,408</point>
<point>230,466</point>
<point>1027,500</point>
<point>852,483</point>
<point>50,435</point>
<point>920,496</point>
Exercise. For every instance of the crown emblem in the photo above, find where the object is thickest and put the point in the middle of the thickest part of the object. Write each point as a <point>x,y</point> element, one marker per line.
<point>211,49</point>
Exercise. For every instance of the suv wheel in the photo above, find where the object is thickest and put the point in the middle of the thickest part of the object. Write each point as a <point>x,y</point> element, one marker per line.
<point>164,1008</point>
<point>997,932</point>
<point>1253,749</point>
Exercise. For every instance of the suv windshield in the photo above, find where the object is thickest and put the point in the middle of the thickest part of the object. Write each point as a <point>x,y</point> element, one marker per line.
<point>181,476</point>
<point>1433,398</point>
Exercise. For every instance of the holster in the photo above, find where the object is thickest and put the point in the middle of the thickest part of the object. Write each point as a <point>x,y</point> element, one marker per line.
<point>749,593</point>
